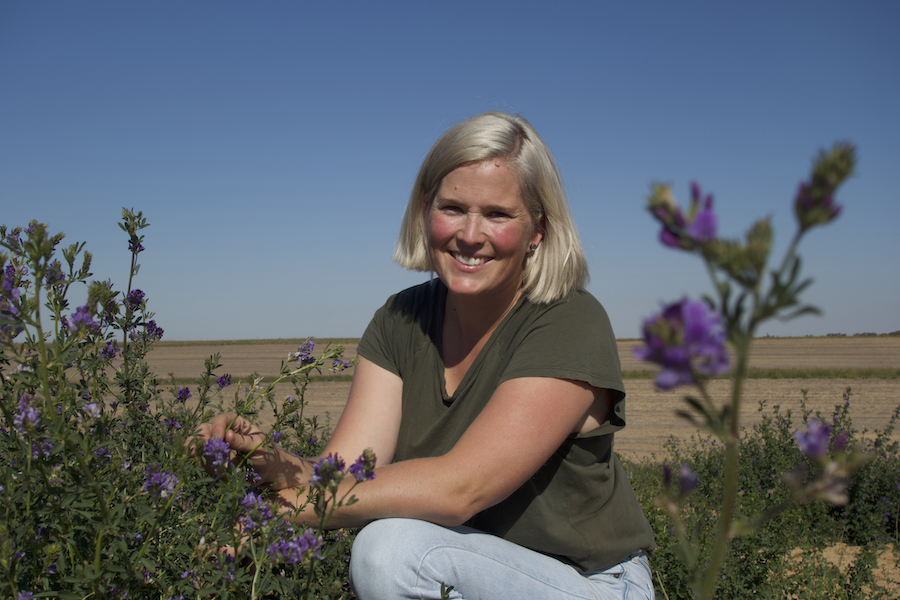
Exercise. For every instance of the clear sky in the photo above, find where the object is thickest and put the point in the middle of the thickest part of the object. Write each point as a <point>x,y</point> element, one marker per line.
<point>272,145</point>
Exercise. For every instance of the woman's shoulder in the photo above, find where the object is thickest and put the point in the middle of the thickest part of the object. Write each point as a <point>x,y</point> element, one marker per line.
<point>415,301</point>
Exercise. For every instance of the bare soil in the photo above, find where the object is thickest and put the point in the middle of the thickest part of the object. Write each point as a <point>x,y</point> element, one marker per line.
<point>650,413</point>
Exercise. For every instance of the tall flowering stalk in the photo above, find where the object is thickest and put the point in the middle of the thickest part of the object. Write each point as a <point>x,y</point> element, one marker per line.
<point>687,340</point>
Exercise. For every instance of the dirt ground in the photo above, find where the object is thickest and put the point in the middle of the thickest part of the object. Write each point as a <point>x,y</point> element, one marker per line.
<point>650,413</point>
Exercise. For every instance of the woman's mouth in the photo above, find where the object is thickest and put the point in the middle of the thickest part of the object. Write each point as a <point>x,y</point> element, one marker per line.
<point>469,261</point>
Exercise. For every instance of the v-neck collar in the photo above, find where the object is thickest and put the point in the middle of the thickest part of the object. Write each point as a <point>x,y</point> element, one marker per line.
<point>438,337</point>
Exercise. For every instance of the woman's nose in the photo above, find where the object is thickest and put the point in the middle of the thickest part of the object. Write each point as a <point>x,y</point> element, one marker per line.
<point>471,231</point>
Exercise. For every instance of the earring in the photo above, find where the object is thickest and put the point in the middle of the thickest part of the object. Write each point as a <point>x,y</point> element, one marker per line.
<point>533,247</point>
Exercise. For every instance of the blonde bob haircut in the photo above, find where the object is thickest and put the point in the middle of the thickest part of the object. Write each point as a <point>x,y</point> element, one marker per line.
<point>558,266</point>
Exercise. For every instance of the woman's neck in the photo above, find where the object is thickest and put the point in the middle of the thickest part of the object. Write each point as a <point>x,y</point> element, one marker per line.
<point>471,320</point>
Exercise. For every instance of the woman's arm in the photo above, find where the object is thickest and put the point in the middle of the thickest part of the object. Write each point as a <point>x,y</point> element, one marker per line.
<point>525,421</point>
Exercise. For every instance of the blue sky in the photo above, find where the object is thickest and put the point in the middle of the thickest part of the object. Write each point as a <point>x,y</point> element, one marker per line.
<point>272,145</point>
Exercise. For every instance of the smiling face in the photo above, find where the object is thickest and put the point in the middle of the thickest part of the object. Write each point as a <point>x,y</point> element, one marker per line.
<point>479,232</point>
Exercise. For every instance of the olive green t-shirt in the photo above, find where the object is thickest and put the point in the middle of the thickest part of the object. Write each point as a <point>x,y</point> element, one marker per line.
<point>579,506</point>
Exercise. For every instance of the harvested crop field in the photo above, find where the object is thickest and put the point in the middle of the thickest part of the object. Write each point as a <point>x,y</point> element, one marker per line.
<point>650,413</point>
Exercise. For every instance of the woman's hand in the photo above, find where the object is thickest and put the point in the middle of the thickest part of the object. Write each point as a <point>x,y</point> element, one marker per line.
<point>247,444</point>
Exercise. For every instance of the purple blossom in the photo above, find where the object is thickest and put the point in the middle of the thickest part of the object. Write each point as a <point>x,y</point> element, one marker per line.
<point>173,424</point>
<point>257,512</point>
<point>814,443</point>
<point>159,483</point>
<point>103,455</point>
<point>134,299</point>
<point>296,549</point>
<point>704,223</point>
<point>153,331</point>
<point>339,365</point>
<point>183,394</point>
<point>682,231</point>
<point>92,409</point>
<point>110,352</point>
<point>364,467</point>
<point>688,481</point>
<point>328,472</point>
<point>24,595</point>
<point>39,449</point>
<point>685,339</point>
<point>28,417</point>
<point>304,352</point>
<point>224,381</point>
<point>81,319</point>
<point>217,451</point>
<point>134,246</point>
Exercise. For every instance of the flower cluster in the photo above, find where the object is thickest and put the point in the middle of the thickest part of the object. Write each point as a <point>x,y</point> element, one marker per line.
<point>303,355</point>
<point>183,394</point>
<point>28,417</point>
<point>224,381</point>
<point>293,549</point>
<point>81,320</point>
<point>686,339</point>
<point>10,302</point>
<point>689,231</point>
<point>134,300</point>
<point>814,443</point>
<point>160,483</point>
<point>216,450</point>
<point>152,332</point>
<point>256,512</point>
<point>364,467</point>
<point>339,365</point>
<point>328,473</point>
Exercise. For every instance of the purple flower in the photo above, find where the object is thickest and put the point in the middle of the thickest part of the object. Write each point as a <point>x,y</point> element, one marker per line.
<point>364,467</point>
<point>682,231</point>
<point>688,481</point>
<point>28,417</point>
<point>224,381</point>
<point>173,424</point>
<point>134,245</point>
<point>339,365</point>
<point>183,394</point>
<point>152,331</point>
<point>81,319</point>
<point>103,455</point>
<point>92,409</point>
<point>257,512</point>
<point>110,352</point>
<point>303,353</point>
<point>24,595</point>
<point>217,451</point>
<point>328,472</point>
<point>685,339</point>
<point>134,299</point>
<point>814,443</point>
<point>159,483</point>
<point>296,549</point>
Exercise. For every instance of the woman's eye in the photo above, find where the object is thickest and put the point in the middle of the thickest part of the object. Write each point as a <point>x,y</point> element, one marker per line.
<point>498,215</point>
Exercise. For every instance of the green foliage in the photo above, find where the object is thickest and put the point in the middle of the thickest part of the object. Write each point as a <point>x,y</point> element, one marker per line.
<point>783,555</point>
<point>104,494</point>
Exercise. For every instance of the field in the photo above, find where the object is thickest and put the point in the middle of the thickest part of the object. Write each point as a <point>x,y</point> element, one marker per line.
<point>650,413</point>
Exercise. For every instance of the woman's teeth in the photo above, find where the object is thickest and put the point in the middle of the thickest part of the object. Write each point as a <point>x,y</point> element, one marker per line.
<point>470,261</point>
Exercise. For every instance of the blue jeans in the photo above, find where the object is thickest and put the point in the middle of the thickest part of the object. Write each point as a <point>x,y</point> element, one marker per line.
<point>408,558</point>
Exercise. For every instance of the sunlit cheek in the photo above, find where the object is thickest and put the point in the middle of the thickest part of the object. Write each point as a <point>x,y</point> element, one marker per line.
<point>440,229</point>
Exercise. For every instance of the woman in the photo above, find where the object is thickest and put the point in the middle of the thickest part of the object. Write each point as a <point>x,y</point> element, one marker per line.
<point>490,395</point>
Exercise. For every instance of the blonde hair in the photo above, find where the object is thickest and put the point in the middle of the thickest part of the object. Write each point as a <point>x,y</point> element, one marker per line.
<point>558,266</point>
